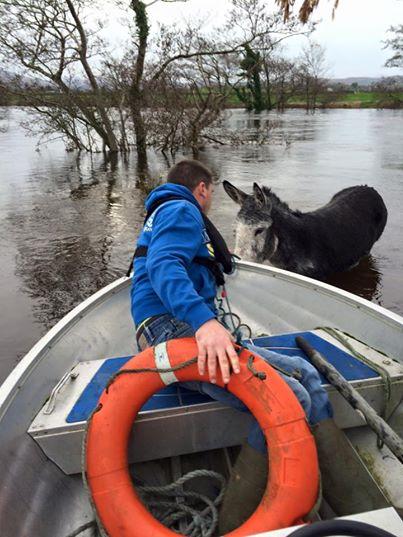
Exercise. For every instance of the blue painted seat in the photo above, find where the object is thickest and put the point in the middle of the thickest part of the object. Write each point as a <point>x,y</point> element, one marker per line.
<point>176,396</point>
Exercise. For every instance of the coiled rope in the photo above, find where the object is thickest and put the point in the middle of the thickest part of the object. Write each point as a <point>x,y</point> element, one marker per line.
<point>200,513</point>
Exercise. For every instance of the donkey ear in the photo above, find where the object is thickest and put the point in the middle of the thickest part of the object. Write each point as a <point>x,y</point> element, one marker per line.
<point>234,193</point>
<point>259,195</point>
<point>262,200</point>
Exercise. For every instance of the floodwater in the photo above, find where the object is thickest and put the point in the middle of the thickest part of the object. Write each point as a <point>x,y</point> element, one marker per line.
<point>68,223</point>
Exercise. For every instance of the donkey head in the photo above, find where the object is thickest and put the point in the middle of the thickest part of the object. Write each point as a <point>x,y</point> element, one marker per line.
<point>253,239</point>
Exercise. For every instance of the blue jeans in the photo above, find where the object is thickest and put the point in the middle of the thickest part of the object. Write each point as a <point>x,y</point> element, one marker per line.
<point>308,389</point>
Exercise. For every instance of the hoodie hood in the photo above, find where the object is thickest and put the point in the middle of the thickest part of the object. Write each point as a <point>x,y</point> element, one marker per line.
<point>170,189</point>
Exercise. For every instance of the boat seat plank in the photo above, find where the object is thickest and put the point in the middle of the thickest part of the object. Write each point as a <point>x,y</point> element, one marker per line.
<point>191,415</point>
<point>175,396</point>
<point>350,367</point>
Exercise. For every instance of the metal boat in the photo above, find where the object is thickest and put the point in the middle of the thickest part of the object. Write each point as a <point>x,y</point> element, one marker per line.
<point>45,401</point>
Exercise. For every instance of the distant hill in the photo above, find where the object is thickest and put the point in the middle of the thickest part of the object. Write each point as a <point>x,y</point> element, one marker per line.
<point>362,81</point>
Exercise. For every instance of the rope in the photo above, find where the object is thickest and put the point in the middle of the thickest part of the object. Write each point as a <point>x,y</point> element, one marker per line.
<point>238,326</point>
<point>84,470</point>
<point>83,528</point>
<point>382,372</point>
<point>261,375</point>
<point>200,512</point>
<point>150,370</point>
<point>311,516</point>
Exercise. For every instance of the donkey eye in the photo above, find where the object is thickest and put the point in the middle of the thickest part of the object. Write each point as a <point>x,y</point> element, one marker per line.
<point>259,231</point>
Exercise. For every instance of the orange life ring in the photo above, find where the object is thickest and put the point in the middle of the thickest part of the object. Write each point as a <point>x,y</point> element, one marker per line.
<point>293,481</point>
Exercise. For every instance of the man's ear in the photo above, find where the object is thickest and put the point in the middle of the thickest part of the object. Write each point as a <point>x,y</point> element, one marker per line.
<point>234,193</point>
<point>202,188</point>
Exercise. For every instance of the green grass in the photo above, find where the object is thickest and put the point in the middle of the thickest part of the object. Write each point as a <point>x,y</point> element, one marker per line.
<point>364,97</point>
<point>361,99</point>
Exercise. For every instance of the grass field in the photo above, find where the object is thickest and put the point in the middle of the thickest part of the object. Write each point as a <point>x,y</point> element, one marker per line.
<point>361,99</point>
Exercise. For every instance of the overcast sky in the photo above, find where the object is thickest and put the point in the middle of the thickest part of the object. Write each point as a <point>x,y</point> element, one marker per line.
<point>353,40</point>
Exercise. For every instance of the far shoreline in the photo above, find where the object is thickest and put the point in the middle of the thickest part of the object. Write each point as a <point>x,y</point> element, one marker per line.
<point>352,105</point>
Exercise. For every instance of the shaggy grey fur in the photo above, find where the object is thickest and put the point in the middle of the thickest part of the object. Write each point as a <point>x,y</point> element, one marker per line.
<point>330,239</point>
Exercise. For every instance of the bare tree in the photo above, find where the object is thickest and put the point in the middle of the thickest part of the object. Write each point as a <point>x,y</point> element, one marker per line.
<point>389,91</point>
<point>117,77</point>
<point>48,40</point>
<point>312,68</point>
<point>197,58</point>
<point>168,91</point>
<point>281,81</point>
<point>187,98</point>
<point>252,80</point>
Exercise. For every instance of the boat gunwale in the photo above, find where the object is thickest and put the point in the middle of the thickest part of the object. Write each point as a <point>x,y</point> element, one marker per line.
<point>327,289</point>
<point>21,372</point>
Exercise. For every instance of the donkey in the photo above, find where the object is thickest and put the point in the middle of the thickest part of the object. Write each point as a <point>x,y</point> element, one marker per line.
<point>330,239</point>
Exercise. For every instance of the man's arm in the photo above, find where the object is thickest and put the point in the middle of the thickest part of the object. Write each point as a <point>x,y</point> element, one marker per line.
<point>176,239</point>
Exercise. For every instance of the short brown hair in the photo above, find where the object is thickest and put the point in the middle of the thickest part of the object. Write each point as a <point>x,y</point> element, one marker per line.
<point>189,173</point>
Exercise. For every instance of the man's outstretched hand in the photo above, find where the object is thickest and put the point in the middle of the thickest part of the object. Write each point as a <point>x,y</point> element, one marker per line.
<point>216,343</point>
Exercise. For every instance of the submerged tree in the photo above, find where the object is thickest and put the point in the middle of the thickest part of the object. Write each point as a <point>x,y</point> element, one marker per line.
<point>312,68</point>
<point>253,81</point>
<point>178,84</point>
<point>47,45</point>
<point>282,80</point>
<point>166,89</point>
<point>251,94</point>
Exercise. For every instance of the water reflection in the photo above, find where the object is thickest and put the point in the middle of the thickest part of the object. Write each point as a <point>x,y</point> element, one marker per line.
<point>298,128</point>
<point>365,280</point>
<point>58,274</point>
<point>4,119</point>
<point>77,241</point>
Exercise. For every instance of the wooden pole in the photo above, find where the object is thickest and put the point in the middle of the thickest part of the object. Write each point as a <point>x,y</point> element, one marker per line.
<point>377,424</point>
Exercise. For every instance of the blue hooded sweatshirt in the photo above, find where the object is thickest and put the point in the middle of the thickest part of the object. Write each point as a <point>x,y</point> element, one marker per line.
<point>167,280</point>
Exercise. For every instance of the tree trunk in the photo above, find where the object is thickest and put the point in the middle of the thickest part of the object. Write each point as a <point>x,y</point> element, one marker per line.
<point>257,91</point>
<point>269,105</point>
<point>109,137</point>
<point>136,93</point>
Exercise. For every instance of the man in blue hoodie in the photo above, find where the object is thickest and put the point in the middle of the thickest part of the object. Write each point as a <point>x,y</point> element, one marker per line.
<point>173,293</point>
<point>170,289</point>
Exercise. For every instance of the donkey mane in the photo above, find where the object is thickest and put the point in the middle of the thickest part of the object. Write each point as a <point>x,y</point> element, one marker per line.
<point>278,204</point>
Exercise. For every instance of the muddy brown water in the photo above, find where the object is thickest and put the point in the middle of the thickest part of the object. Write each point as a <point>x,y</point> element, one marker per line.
<point>68,222</point>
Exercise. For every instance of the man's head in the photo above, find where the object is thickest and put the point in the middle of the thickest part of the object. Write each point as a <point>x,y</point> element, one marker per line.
<point>197,178</point>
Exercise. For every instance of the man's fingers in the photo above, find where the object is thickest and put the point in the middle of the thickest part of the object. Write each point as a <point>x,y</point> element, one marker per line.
<point>224,365</point>
<point>234,359</point>
<point>212,364</point>
<point>201,359</point>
